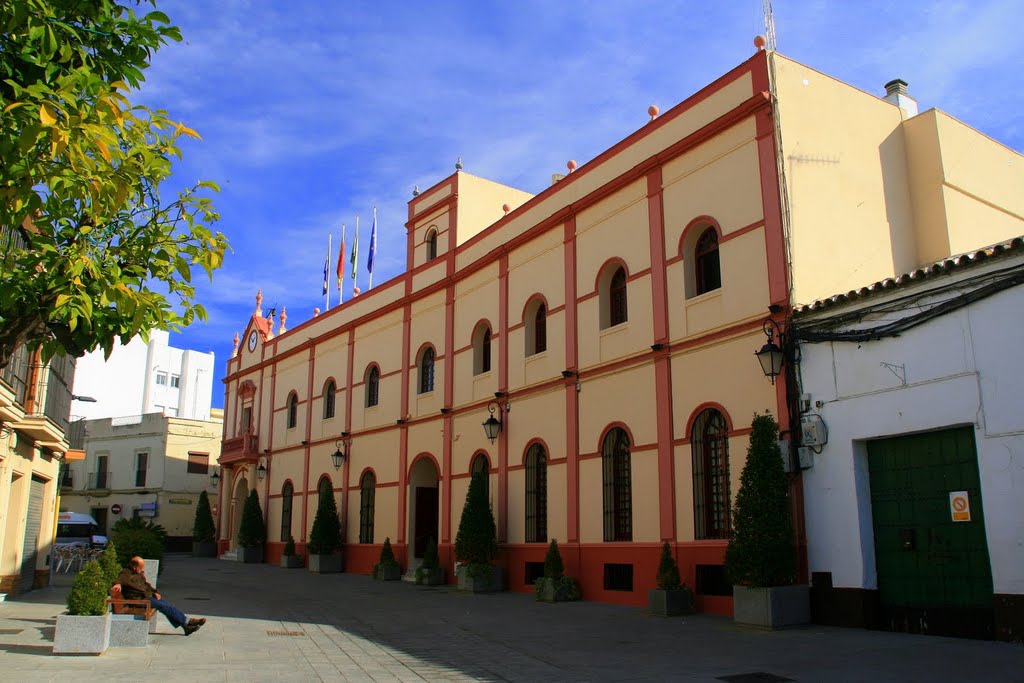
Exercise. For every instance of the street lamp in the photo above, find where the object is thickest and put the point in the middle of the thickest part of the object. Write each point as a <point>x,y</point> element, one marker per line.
<point>83,399</point>
<point>771,354</point>
<point>493,427</point>
<point>261,468</point>
<point>215,477</point>
<point>339,456</point>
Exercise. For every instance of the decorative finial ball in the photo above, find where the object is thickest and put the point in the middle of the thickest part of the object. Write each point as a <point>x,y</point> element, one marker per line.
<point>356,291</point>
<point>760,41</point>
<point>571,165</point>
<point>653,111</point>
<point>506,208</point>
<point>316,312</point>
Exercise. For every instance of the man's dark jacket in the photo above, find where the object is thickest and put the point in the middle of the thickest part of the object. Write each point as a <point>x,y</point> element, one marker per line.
<point>134,586</point>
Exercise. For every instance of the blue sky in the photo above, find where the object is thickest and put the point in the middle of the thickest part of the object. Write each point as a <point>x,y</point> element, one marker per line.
<point>313,112</point>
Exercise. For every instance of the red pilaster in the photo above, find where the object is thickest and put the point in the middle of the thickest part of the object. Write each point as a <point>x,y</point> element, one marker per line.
<point>449,397</point>
<point>403,435</point>
<point>348,425</point>
<point>572,445</point>
<point>305,449</point>
<point>503,386</point>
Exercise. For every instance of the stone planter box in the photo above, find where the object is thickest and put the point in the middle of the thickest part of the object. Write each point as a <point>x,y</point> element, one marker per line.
<point>669,603</point>
<point>81,635</point>
<point>391,572</point>
<point>250,555</point>
<point>774,607</point>
<point>550,591</point>
<point>493,582</point>
<point>291,562</point>
<point>131,630</point>
<point>430,577</point>
<point>204,549</point>
<point>325,564</point>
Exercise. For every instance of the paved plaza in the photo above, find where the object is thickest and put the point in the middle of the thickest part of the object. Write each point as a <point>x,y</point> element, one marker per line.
<point>272,624</point>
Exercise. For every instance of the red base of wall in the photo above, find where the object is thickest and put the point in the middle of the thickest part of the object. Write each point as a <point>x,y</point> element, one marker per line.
<point>584,562</point>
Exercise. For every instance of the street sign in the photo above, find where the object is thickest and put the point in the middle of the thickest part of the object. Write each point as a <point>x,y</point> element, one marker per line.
<point>147,506</point>
<point>115,509</point>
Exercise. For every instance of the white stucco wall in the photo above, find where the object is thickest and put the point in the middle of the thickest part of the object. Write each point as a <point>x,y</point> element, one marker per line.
<point>965,368</point>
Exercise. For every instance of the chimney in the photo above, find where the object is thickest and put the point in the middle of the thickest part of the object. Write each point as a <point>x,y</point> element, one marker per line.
<point>896,93</point>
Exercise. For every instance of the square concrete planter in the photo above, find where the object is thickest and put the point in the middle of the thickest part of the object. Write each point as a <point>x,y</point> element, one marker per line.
<point>325,564</point>
<point>130,630</point>
<point>669,603</point>
<point>774,607</point>
<point>204,549</point>
<point>250,555</point>
<point>489,582</point>
<point>291,562</point>
<point>430,577</point>
<point>554,590</point>
<point>391,572</point>
<point>81,635</point>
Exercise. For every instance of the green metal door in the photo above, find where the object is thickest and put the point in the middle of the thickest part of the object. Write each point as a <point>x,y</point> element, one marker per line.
<point>934,574</point>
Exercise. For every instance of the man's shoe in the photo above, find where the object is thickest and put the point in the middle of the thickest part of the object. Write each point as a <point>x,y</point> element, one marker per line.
<point>193,625</point>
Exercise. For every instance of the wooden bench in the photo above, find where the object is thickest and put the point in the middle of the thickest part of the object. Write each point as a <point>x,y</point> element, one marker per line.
<point>132,620</point>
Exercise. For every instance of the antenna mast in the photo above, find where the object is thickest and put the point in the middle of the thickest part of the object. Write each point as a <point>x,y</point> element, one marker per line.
<point>769,24</point>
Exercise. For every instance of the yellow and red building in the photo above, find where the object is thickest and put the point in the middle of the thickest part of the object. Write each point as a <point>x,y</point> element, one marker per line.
<point>609,322</point>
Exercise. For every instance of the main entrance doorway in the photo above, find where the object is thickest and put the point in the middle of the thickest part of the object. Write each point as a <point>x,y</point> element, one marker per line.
<point>931,552</point>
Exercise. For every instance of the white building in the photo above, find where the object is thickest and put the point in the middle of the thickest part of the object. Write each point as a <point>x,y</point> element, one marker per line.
<point>151,466</point>
<point>914,389</point>
<point>141,378</point>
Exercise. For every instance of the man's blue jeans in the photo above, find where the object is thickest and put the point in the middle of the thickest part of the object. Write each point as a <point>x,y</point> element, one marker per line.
<point>172,613</point>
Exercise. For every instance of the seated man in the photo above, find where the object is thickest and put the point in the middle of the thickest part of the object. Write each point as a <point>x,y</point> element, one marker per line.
<point>135,587</point>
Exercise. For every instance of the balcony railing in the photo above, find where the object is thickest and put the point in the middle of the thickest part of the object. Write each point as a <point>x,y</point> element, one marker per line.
<point>244,447</point>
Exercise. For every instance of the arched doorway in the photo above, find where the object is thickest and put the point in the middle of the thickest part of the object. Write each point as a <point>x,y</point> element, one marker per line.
<point>424,504</point>
<point>237,505</point>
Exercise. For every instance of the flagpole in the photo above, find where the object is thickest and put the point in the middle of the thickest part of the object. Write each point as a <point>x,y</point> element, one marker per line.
<point>340,268</point>
<point>373,248</point>
<point>355,260</point>
<point>327,293</point>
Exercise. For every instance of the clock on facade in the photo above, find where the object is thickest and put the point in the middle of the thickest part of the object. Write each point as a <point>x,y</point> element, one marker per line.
<point>252,340</point>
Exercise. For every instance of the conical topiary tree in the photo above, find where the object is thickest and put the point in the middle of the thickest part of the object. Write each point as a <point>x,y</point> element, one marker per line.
<point>553,566</point>
<point>253,531</point>
<point>668,571</point>
<point>109,564</point>
<point>203,530</point>
<point>476,543</point>
<point>88,596</point>
<point>761,551</point>
<point>325,536</point>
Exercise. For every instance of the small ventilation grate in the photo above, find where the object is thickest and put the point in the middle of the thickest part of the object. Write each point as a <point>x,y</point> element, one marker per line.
<point>755,677</point>
<point>300,633</point>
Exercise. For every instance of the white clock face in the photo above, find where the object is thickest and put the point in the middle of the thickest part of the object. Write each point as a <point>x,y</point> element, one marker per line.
<point>252,340</point>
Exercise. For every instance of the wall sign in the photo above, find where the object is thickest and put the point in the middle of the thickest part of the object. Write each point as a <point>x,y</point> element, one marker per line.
<point>115,509</point>
<point>960,506</point>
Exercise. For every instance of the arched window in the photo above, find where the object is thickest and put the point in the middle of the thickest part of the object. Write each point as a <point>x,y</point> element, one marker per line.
<point>482,466</point>
<point>427,371</point>
<point>293,410</point>
<point>536,495</point>
<point>709,444</point>
<point>618,494</point>
<point>372,386</point>
<point>705,257</point>
<point>329,392</point>
<point>286,511</point>
<point>367,492</point>
<point>431,244</point>
<point>324,490</point>
<point>481,349</point>
<point>536,323</point>
<point>612,296</point>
